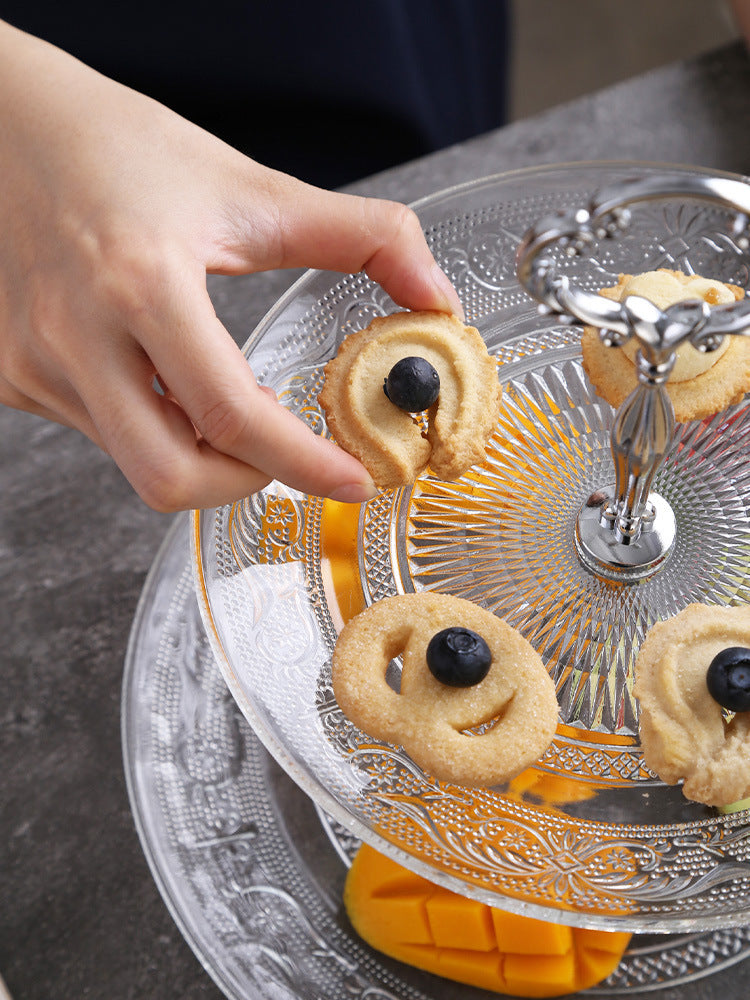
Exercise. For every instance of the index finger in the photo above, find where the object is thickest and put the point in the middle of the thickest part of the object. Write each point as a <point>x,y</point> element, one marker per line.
<point>292,224</point>
<point>212,381</point>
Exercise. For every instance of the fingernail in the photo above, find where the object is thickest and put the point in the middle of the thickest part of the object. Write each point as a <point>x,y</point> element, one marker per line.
<point>355,492</point>
<point>443,283</point>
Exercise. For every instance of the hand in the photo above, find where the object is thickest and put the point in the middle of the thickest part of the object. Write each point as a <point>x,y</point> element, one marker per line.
<point>113,211</point>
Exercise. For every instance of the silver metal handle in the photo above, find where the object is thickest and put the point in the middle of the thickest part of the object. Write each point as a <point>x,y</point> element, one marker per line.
<point>658,331</point>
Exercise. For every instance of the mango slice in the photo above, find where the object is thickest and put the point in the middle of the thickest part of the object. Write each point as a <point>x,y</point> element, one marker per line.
<point>338,546</point>
<point>424,925</point>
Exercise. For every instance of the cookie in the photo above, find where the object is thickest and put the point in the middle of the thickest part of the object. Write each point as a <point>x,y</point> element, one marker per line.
<point>388,440</point>
<point>686,735</point>
<point>702,382</point>
<point>512,711</point>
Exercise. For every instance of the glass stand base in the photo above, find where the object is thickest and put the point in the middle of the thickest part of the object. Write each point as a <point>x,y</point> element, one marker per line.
<point>239,853</point>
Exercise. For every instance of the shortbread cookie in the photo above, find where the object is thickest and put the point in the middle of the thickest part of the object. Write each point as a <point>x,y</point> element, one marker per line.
<point>513,706</point>
<point>388,440</point>
<point>686,734</point>
<point>702,382</point>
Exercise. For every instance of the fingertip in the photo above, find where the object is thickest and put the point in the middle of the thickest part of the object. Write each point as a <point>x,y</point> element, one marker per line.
<point>445,289</point>
<point>358,492</point>
<point>405,266</point>
<point>428,289</point>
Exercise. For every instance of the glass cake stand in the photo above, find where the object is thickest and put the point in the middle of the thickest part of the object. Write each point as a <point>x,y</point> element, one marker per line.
<point>252,872</point>
<point>588,836</point>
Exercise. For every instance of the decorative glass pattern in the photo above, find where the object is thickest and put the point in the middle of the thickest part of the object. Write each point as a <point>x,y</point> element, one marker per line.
<point>588,833</point>
<point>243,860</point>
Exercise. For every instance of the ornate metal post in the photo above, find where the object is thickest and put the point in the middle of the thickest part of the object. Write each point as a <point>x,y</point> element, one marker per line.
<point>625,532</point>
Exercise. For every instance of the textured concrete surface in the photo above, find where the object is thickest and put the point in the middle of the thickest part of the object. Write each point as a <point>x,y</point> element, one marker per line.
<point>80,914</point>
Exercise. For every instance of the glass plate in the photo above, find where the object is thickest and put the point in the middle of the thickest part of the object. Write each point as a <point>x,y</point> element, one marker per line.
<point>251,872</point>
<point>588,836</point>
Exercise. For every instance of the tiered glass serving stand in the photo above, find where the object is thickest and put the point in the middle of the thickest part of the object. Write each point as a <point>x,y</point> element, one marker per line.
<point>588,836</point>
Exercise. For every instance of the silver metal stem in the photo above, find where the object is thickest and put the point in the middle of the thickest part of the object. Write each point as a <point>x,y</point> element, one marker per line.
<point>624,531</point>
<point>641,434</point>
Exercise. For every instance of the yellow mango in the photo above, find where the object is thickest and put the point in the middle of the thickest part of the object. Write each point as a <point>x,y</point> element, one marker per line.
<point>338,528</point>
<point>529,936</point>
<point>541,975</point>
<point>412,920</point>
<point>451,927</point>
<point>338,546</point>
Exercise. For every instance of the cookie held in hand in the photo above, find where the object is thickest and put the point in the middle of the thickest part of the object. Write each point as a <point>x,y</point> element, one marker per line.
<point>375,426</point>
<point>480,732</point>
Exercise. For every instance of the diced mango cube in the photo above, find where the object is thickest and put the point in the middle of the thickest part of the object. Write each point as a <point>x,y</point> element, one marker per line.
<point>595,964</point>
<point>528,936</point>
<point>338,546</point>
<point>465,926</point>
<point>540,975</point>
<point>480,969</point>
<point>613,941</point>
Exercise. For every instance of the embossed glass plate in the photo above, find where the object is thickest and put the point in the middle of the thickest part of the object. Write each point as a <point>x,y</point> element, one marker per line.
<point>252,872</point>
<point>588,836</point>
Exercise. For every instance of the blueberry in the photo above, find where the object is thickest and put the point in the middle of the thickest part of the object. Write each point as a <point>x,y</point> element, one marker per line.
<point>458,657</point>
<point>412,384</point>
<point>728,679</point>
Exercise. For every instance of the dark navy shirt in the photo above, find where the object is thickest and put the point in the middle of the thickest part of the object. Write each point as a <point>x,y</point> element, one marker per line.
<point>329,91</point>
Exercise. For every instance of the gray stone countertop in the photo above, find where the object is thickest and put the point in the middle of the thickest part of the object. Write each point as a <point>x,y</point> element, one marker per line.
<point>80,915</point>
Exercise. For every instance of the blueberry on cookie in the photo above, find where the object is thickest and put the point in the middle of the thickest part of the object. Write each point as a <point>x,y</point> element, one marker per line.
<point>497,720</point>
<point>403,364</point>
<point>691,674</point>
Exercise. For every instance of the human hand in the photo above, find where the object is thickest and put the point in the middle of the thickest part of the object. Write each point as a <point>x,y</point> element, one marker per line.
<point>114,209</point>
